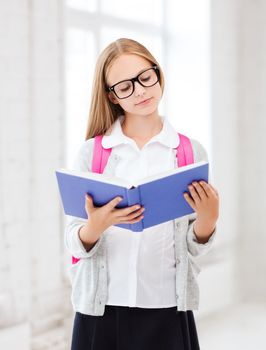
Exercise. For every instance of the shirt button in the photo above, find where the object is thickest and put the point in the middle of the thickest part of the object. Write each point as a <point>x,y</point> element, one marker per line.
<point>102,266</point>
<point>100,302</point>
<point>177,296</point>
<point>177,261</point>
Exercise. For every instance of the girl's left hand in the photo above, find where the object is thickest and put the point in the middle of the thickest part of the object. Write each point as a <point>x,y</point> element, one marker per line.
<point>204,199</point>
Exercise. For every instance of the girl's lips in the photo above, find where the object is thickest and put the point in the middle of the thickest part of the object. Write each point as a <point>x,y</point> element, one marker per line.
<point>144,102</point>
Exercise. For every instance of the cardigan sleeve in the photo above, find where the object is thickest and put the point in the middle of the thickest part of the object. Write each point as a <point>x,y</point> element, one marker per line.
<point>196,248</point>
<point>82,162</point>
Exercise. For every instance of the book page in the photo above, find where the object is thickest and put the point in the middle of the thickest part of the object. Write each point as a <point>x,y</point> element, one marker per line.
<point>113,180</point>
<point>167,173</point>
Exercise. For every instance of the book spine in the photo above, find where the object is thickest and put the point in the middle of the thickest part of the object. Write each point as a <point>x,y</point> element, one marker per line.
<point>133,197</point>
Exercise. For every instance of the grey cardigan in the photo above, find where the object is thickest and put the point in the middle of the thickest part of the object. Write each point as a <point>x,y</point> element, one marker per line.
<point>89,276</point>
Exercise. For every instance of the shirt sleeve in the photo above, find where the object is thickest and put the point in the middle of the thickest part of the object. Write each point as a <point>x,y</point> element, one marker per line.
<point>82,162</point>
<point>196,248</point>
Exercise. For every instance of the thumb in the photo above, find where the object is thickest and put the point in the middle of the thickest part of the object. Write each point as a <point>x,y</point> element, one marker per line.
<point>89,202</point>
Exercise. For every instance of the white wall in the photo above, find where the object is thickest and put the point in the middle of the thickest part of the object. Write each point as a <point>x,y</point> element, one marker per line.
<point>34,290</point>
<point>250,250</point>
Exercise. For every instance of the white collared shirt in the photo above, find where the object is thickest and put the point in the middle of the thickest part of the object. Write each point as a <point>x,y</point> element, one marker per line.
<point>138,267</point>
<point>141,265</point>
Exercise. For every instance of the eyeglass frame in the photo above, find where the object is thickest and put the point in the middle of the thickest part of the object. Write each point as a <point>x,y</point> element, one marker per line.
<point>133,80</point>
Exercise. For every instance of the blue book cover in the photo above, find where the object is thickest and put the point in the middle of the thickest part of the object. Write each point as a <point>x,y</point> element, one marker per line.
<point>161,194</point>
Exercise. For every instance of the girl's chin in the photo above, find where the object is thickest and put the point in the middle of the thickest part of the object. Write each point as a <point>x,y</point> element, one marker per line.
<point>145,112</point>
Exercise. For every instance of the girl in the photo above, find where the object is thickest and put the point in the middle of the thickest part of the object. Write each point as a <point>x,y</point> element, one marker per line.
<point>136,290</point>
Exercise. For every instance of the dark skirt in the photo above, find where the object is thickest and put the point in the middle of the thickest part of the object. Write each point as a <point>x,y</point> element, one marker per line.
<point>133,328</point>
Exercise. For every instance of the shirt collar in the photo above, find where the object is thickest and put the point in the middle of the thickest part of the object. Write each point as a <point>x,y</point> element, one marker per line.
<point>115,136</point>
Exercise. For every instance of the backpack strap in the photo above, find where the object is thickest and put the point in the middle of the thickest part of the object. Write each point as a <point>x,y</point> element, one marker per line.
<point>184,151</point>
<point>100,157</point>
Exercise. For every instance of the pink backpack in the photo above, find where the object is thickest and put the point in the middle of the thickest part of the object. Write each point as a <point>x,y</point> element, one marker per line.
<point>184,156</point>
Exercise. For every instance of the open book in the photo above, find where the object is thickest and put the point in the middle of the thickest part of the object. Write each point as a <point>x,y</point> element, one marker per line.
<point>161,194</point>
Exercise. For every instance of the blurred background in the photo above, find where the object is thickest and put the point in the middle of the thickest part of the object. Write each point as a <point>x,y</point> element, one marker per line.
<point>213,54</point>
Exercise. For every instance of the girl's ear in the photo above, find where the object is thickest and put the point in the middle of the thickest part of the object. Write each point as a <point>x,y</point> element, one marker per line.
<point>112,98</point>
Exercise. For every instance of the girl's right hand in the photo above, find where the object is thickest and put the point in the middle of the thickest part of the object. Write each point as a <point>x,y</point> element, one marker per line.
<point>100,218</point>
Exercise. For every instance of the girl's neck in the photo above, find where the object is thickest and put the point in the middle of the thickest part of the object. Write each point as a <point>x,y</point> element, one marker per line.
<point>142,127</point>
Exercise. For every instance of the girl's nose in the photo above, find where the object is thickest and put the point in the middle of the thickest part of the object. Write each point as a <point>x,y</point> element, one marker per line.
<point>139,89</point>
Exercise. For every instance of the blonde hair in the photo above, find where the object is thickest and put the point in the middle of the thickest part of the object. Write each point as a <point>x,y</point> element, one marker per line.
<point>103,113</point>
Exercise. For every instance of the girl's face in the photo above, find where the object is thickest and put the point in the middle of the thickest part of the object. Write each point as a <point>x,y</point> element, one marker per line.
<point>128,66</point>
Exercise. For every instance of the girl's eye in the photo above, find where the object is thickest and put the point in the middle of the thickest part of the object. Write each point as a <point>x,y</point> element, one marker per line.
<point>124,87</point>
<point>146,78</point>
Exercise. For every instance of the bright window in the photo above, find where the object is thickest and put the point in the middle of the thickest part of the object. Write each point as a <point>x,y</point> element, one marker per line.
<point>83,5</point>
<point>148,11</point>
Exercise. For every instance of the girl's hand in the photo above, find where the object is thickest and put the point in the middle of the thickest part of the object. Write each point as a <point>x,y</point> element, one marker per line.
<point>100,218</point>
<point>204,199</point>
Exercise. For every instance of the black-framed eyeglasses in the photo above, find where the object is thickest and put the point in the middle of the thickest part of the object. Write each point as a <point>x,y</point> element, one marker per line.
<point>125,88</point>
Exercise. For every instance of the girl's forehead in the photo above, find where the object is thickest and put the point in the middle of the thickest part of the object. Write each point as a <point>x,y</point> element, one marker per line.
<point>126,67</point>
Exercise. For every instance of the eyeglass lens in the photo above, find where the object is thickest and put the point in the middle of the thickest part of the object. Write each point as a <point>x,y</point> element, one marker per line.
<point>125,88</point>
